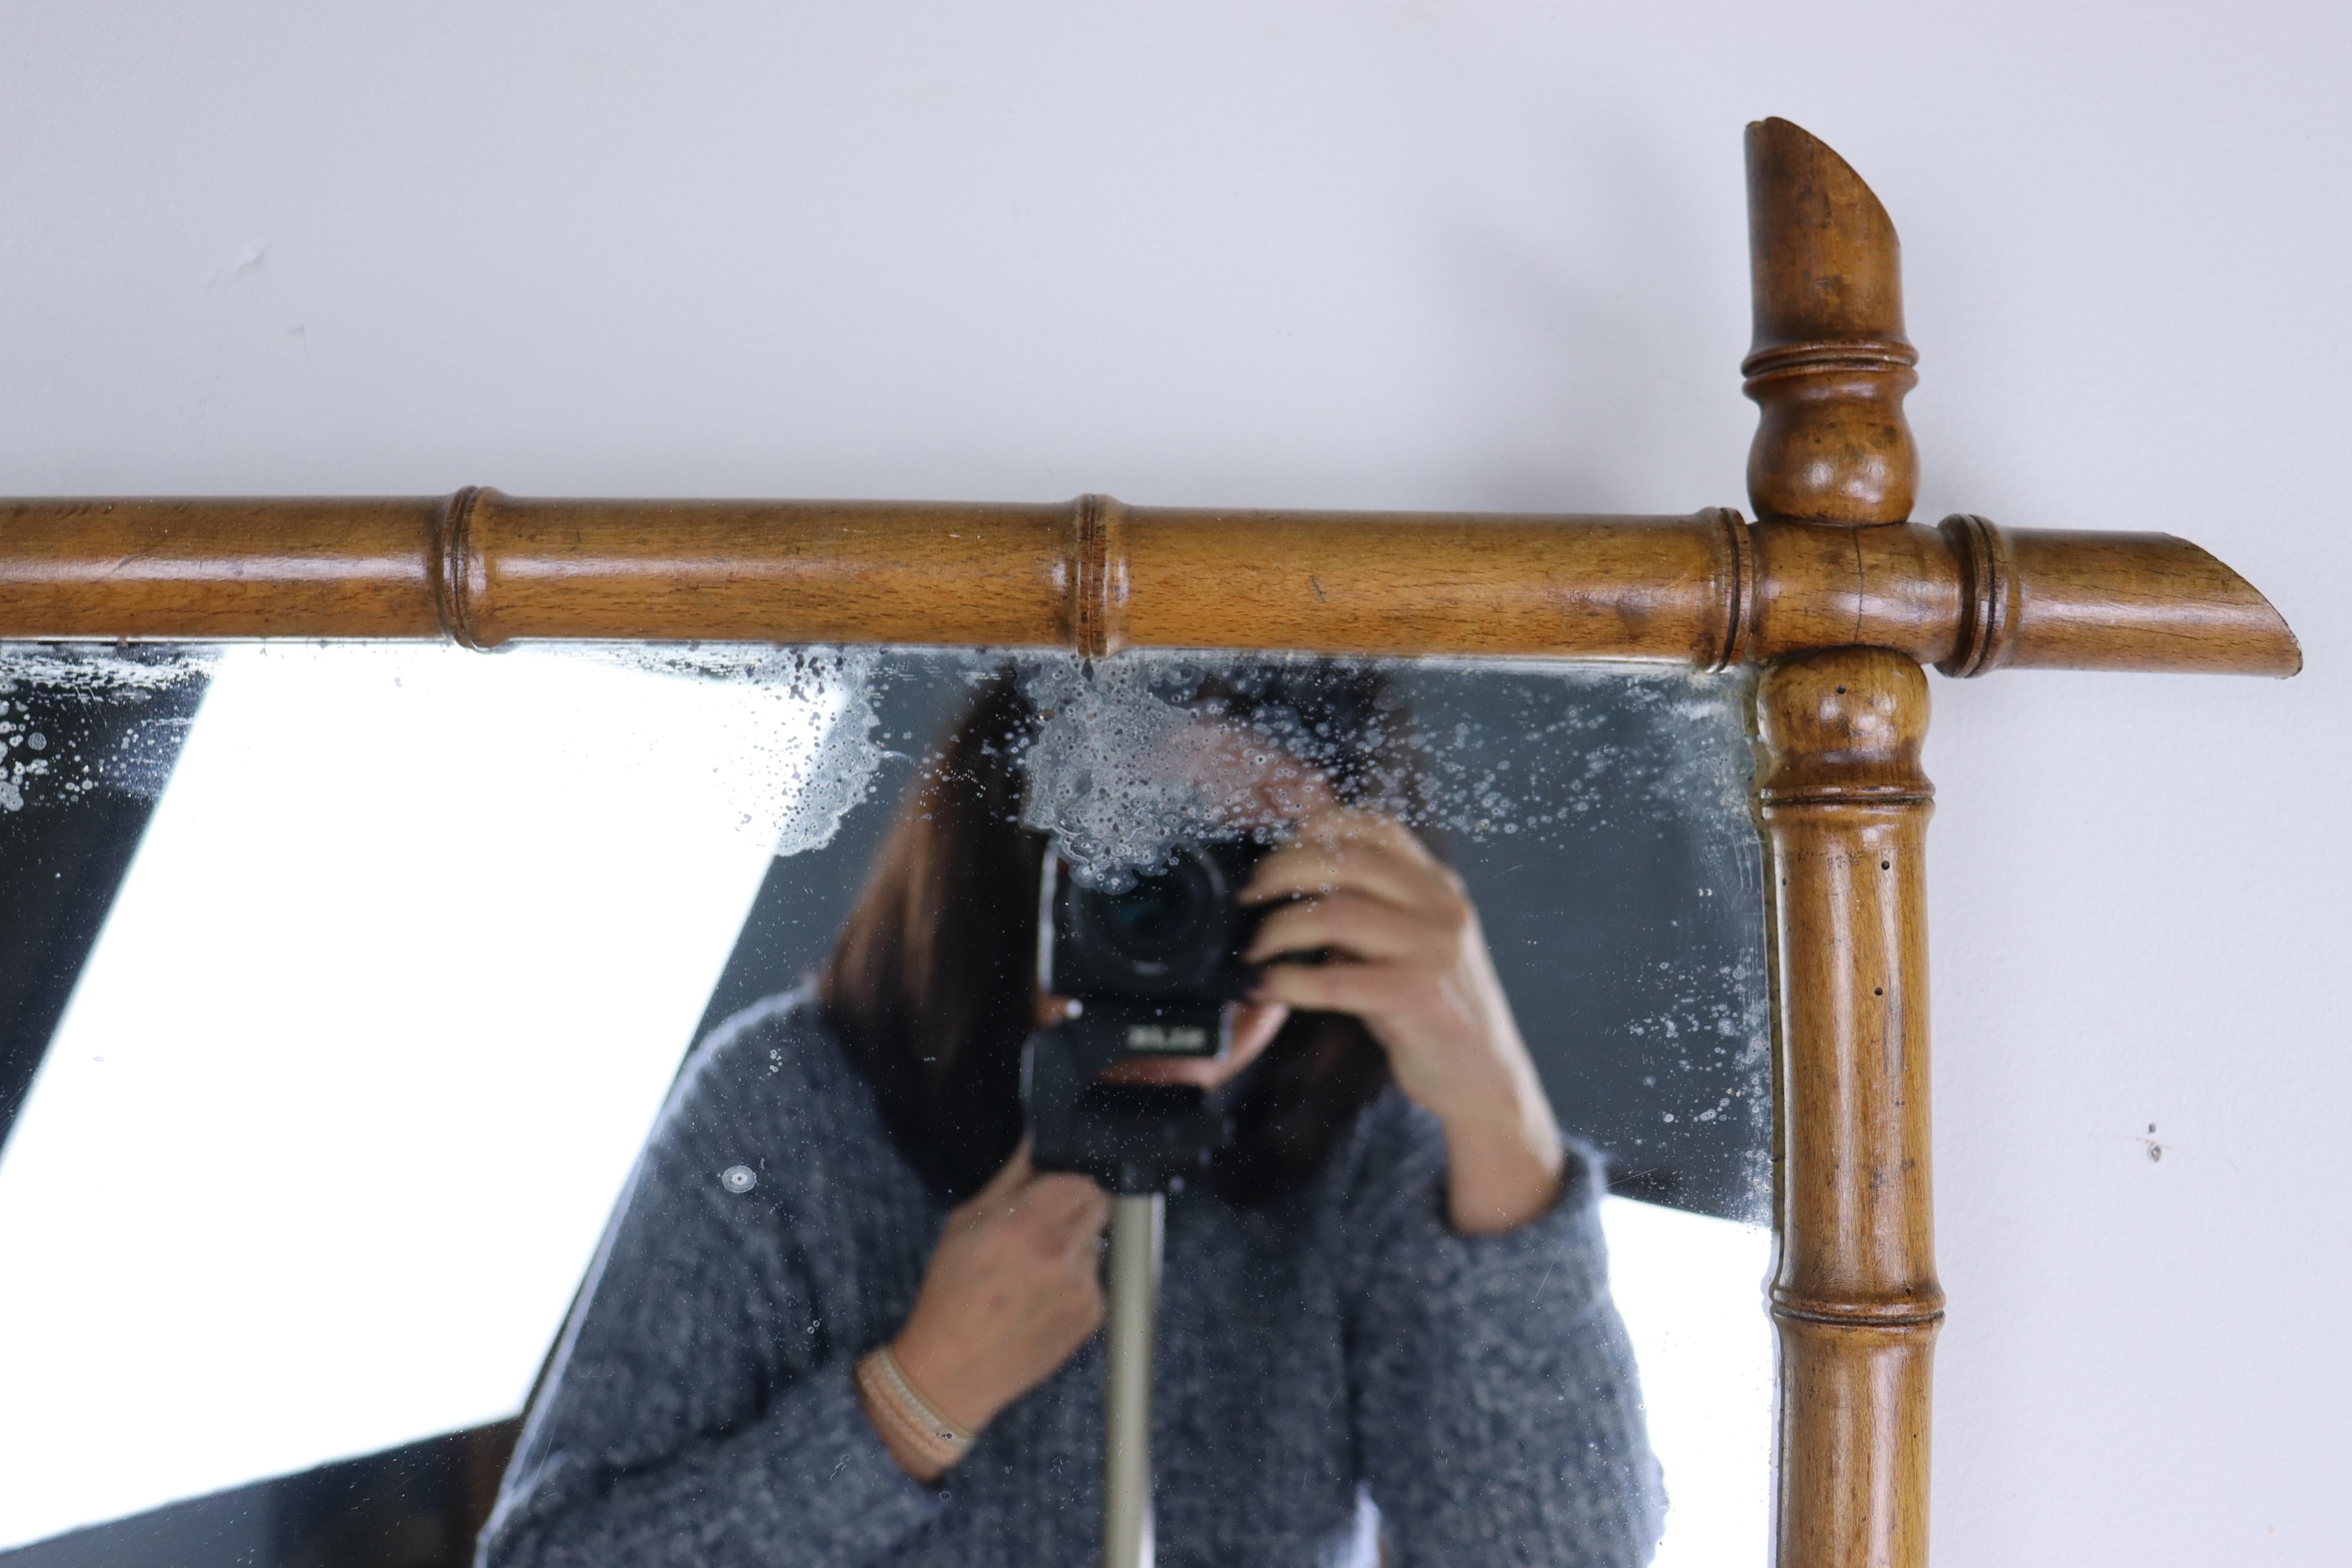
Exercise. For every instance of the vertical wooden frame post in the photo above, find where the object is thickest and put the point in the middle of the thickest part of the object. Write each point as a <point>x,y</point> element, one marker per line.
<point>1853,1290</point>
<point>1845,804</point>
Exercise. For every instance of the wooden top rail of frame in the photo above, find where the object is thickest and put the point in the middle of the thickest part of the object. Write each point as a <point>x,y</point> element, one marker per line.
<point>1707,590</point>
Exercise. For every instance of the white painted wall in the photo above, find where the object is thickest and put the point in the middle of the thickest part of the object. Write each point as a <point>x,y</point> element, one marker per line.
<point>1466,255</point>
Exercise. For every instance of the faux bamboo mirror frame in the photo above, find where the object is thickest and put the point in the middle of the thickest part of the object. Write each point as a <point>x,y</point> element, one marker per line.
<point>1831,589</point>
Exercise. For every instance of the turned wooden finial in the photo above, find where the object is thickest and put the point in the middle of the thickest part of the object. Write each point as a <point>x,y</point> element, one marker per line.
<point>1829,364</point>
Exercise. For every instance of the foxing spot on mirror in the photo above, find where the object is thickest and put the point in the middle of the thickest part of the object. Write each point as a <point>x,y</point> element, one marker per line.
<point>395,987</point>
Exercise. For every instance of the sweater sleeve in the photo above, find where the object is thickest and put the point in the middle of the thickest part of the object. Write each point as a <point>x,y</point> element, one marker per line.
<point>1498,1415</point>
<point>698,1411</point>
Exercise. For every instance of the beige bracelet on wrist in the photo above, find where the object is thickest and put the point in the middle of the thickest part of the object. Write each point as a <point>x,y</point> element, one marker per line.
<point>914,1418</point>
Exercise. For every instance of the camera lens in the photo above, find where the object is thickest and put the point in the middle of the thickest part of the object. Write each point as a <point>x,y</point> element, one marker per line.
<point>1163,916</point>
<point>1173,935</point>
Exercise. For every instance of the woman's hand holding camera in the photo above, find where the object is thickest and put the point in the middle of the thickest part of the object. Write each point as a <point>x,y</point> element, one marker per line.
<point>1012,1289</point>
<point>1407,956</point>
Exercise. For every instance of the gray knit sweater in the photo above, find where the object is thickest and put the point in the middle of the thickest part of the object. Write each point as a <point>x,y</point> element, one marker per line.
<point>1339,1344</point>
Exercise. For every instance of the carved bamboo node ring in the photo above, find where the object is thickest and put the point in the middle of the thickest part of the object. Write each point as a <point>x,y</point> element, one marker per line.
<point>1737,585</point>
<point>1923,1312</point>
<point>1988,582</point>
<point>1888,356</point>
<point>1097,576</point>
<point>455,566</point>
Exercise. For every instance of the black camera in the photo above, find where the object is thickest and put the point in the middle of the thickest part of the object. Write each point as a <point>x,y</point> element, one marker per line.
<point>1151,967</point>
<point>1152,963</point>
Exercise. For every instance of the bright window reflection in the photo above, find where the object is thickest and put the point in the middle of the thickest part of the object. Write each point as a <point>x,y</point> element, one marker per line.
<point>1690,1288</point>
<point>375,1029</point>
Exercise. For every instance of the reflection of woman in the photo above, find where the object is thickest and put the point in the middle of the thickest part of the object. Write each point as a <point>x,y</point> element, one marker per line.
<point>1393,1289</point>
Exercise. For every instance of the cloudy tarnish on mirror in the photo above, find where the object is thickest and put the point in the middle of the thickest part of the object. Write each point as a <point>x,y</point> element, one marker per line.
<point>1563,853</point>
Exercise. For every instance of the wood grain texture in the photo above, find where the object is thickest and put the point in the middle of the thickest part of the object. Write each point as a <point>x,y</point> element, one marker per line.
<point>1832,585</point>
<point>856,572</point>
<point>2071,599</point>
<point>1852,1472</point>
<point>1093,576</point>
<point>1844,805</point>
<point>1704,590</point>
<point>1829,364</point>
<point>200,569</point>
<point>1606,587</point>
<point>1853,597</point>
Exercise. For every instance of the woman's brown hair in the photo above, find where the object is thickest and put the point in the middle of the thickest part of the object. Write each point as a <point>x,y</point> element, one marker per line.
<point>931,985</point>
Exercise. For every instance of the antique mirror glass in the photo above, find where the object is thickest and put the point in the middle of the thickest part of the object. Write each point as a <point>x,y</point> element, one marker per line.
<point>344,984</point>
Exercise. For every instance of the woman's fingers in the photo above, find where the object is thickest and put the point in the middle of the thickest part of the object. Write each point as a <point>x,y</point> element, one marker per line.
<point>1348,830</point>
<point>1304,871</point>
<point>1009,1294</point>
<point>1053,1203</point>
<point>1361,852</point>
<point>1367,990</point>
<point>1002,1193</point>
<point>1360,924</point>
<point>1366,888</point>
<point>1010,1178</point>
<point>1065,1193</point>
<point>1082,1247</point>
<point>1062,1205</point>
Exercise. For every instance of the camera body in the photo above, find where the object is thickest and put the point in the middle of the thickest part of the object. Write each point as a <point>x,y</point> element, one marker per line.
<point>1153,964</point>
<point>1151,968</point>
